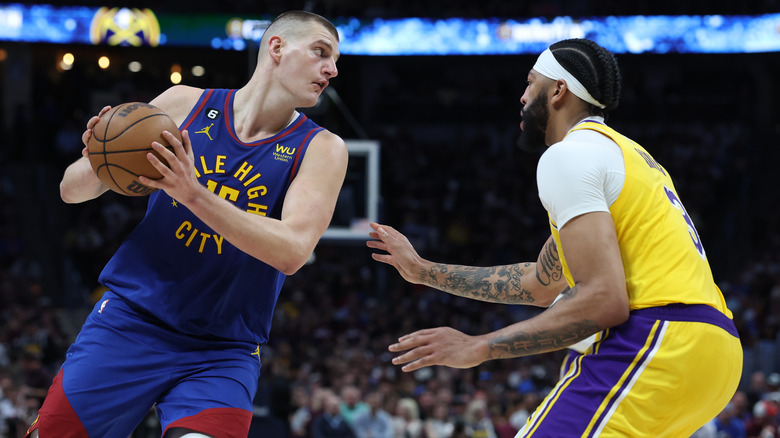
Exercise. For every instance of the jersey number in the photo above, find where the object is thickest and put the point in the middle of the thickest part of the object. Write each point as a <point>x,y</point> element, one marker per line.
<point>225,192</point>
<point>691,229</point>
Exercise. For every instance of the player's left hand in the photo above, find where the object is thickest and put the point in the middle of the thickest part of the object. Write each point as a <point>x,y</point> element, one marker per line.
<point>439,346</point>
<point>179,180</point>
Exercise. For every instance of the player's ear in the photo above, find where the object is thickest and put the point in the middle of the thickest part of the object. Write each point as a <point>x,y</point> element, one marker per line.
<point>558,91</point>
<point>560,85</point>
<point>275,44</point>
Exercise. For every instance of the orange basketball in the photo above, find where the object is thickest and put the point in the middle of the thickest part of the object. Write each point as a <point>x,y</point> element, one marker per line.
<point>120,142</point>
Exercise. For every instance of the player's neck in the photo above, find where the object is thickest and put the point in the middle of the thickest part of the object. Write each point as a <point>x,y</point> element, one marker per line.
<point>560,124</point>
<point>256,116</point>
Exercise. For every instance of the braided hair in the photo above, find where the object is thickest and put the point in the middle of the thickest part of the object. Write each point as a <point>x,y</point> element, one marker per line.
<point>595,67</point>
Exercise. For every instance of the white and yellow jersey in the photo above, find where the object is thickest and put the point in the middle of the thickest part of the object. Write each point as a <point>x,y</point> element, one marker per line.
<point>663,256</point>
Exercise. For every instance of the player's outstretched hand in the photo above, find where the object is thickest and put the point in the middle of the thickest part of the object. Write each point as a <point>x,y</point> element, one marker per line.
<point>439,346</point>
<point>400,252</point>
<point>90,125</point>
<point>179,180</point>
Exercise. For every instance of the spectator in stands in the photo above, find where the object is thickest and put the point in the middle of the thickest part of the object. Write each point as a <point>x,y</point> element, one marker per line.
<point>375,422</point>
<point>406,421</point>
<point>764,423</point>
<point>301,418</point>
<point>501,424</point>
<point>440,424</point>
<point>37,378</point>
<point>331,424</point>
<point>351,403</point>
<point>528,404</point>
<point>478,423</point>
<point>728,424</point>
<point>11,412</point>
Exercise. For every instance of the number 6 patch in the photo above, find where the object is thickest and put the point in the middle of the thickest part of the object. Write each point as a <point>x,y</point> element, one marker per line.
<point>212,113</point>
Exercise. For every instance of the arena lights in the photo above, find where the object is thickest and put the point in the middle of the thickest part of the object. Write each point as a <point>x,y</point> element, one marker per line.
<point>176,73</point>
<point>396,37</point>
<point>66,62</point>
<point>104,62</point>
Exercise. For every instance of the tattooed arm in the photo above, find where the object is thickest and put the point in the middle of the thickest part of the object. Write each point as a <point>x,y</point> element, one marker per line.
<point>522,283</point>
<point>597,301</point>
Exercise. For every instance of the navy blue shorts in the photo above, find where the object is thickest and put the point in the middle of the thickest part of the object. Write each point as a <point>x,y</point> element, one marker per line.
<point>123,363</point>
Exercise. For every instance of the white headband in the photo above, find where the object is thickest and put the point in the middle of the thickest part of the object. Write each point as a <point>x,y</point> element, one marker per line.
<point>548,66</point>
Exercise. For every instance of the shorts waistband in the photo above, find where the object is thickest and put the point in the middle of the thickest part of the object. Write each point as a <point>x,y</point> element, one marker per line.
<point>691,313</point>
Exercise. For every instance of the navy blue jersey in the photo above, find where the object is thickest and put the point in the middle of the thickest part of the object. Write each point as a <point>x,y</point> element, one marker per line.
<point>182,272</point>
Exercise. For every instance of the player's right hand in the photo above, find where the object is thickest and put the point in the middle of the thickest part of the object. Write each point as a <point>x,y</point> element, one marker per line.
<point>88,132</point>
<point>400,252</point>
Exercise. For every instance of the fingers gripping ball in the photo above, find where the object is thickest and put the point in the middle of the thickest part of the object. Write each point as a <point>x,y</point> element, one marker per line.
<point>119,144</point>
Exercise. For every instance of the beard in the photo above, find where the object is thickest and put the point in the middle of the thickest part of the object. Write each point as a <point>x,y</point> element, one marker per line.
<point>535,125</point>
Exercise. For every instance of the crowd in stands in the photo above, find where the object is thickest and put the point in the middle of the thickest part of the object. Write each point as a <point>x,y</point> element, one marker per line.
<point>455,183</point>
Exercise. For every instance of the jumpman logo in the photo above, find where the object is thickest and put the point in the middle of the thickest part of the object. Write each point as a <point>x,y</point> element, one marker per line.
<point>206,131</point>
<point>257,352</point>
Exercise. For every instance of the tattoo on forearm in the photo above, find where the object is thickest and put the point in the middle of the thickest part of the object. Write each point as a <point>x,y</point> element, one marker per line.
<point>548,267</point>
<point>498,284</point>
<point>524,344</point>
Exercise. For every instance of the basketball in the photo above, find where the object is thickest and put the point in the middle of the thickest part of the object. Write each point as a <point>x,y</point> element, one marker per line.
<point>119,144</point>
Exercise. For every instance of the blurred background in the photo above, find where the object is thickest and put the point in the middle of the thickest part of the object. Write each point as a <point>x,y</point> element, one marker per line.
<point>443,122</point>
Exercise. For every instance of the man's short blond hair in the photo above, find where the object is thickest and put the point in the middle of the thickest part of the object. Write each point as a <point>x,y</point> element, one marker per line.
<point>292,24</point>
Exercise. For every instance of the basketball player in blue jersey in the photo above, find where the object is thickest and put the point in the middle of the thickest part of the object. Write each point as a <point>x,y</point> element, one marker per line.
<point>625,260</point>
<point>250,190</point>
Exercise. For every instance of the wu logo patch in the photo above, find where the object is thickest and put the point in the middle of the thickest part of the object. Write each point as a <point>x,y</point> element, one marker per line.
<point>212,113</point>
<point>284,153</point>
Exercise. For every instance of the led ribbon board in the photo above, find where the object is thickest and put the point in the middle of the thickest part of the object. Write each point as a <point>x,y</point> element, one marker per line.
<point>397,37</point>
